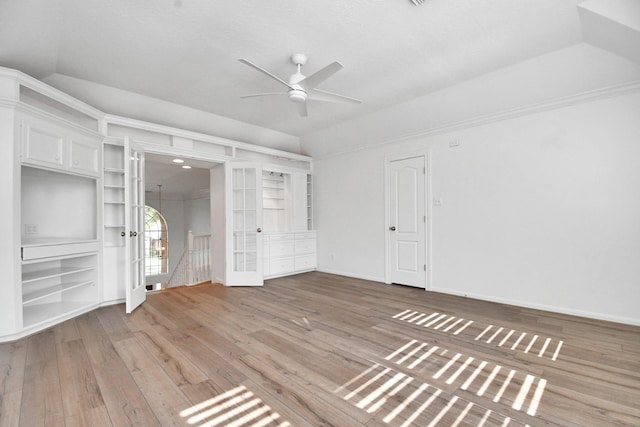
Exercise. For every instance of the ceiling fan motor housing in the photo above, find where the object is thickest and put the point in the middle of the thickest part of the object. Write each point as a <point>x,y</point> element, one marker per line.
<point>297,95</point>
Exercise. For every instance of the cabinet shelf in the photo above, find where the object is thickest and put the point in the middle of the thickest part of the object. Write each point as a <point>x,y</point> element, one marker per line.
<point>30,297</point>
<point>34,276</point>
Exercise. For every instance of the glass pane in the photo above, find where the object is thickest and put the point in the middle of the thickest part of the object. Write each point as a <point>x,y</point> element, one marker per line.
<point>250,199</point>
<point>251,240</point>
<point>238,241</point>
<point>250,179</point>
<point>238,262</point>
<point>251,261</point>
<point>238,179</point>
<point>250,221</point>
<point>238,199</point>
<point>238,221</point>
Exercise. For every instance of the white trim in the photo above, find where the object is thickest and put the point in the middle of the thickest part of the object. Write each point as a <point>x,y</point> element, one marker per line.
<point>196,136</point>
<point>165,150</point>
<point>51,92</point>
<point>556,103</point>
<point>550,308</point>
<point>45,115</point>
<point>349,274</point>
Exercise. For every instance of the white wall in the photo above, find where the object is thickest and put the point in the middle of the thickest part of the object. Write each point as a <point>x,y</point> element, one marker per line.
<point>197,216</point>
<point>541,210</point>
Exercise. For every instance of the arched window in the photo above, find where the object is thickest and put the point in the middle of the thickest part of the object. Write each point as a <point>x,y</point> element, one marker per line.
<point>156,242</point>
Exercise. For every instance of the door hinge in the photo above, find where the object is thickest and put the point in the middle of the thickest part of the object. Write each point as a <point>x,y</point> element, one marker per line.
<point>424,218</point>
<point>425,267</point>
<point>424,170</point>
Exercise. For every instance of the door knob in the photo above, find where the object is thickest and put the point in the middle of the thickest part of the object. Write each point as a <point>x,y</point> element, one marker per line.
<point>122,233</point>
<point>259,230</point>
<point>133,233</point>
<point>392,228</point>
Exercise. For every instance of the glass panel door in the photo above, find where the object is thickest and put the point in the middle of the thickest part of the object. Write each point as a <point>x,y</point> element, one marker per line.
<point>244,249</point>
<point>134,195</point>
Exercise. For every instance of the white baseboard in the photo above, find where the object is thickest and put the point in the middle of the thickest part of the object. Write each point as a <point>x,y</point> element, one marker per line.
<point>348,274</point>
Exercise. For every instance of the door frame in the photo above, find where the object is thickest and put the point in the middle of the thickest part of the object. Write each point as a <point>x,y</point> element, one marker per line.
<point>426,155</point>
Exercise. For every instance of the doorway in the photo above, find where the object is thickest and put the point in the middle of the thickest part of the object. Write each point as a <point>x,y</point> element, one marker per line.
<point>406,213</point>
<point>178,188</point>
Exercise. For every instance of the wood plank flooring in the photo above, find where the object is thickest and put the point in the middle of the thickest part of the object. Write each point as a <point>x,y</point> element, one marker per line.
<point>322,350</point>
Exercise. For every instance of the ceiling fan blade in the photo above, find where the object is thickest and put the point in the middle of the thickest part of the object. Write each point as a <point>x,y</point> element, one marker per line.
<point>310,82</point>
<point>323,95</point>
<point>252,95</point>
<point>262,70</point>
<point>302,109</point>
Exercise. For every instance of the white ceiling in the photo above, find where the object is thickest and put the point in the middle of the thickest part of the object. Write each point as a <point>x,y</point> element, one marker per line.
<point>397,58</point>
<point>177,183</point>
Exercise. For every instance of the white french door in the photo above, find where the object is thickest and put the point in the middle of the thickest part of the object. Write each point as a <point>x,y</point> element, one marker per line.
<point>134,219</point>
<point>406,243</point>
<point>243,194</point>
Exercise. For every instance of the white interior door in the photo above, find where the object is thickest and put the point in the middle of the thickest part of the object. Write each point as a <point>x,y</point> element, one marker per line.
<point>134,206</point>
<point>406,254</point>
<point>244,224</point>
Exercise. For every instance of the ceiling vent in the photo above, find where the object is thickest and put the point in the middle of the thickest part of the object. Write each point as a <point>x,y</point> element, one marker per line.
<point>417,2</point>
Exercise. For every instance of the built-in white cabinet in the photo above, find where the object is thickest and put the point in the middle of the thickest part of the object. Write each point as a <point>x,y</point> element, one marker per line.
<point>51,145</point>
<point>114,220</point>
<point>55,288</point>
<point>289,240</point>
<point>59,218</point>
<point>289,253</point>
<point>287,202</point>
<point>113,183</point>
<point>73,228</point>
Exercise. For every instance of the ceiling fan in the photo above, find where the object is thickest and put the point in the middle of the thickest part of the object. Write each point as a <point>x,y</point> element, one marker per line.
<point>300,88</point>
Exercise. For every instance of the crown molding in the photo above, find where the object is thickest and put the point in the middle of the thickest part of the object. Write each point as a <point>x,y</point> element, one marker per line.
<point>196,136</point>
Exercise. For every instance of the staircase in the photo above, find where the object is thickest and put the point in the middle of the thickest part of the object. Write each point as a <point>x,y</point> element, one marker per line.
<point>195,263</point>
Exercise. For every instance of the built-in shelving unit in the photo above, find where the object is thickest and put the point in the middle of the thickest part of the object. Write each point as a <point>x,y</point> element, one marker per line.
<point>59,193</point>
<point>114,195</point>
<point>309,202</point>
<point>273,201</point>
<point>55,287</point>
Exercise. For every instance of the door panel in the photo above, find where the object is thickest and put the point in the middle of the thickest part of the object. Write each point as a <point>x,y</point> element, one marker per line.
<point>244,238</point>
<point>134,206</point>
<point>407,239</point>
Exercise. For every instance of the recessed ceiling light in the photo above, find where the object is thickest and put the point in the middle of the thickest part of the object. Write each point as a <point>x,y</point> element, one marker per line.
<point>186,167</point>
<point>178,161</point>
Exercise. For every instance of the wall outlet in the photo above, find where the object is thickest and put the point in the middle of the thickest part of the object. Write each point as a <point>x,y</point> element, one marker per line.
<point>437,202</point>
<point>30,229</point>
<point>454,143</point>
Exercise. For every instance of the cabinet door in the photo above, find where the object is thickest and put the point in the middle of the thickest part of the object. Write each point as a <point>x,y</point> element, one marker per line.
<point>43,145</point>
<point>244,224</point>
<point>84,156</point>
<point>134,192</point>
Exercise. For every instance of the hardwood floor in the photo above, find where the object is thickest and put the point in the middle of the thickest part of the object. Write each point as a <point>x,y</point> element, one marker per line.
<point>322,350</point>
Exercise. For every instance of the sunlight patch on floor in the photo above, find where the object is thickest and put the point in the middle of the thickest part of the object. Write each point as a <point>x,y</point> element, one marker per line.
<point>235,408</point>
<point>504,336</point>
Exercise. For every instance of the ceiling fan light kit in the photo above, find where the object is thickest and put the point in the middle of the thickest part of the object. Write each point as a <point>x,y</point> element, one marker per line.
<point>300,88</point>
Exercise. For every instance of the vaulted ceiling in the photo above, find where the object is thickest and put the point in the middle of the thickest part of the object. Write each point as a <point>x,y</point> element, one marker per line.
<point>414,67</point>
